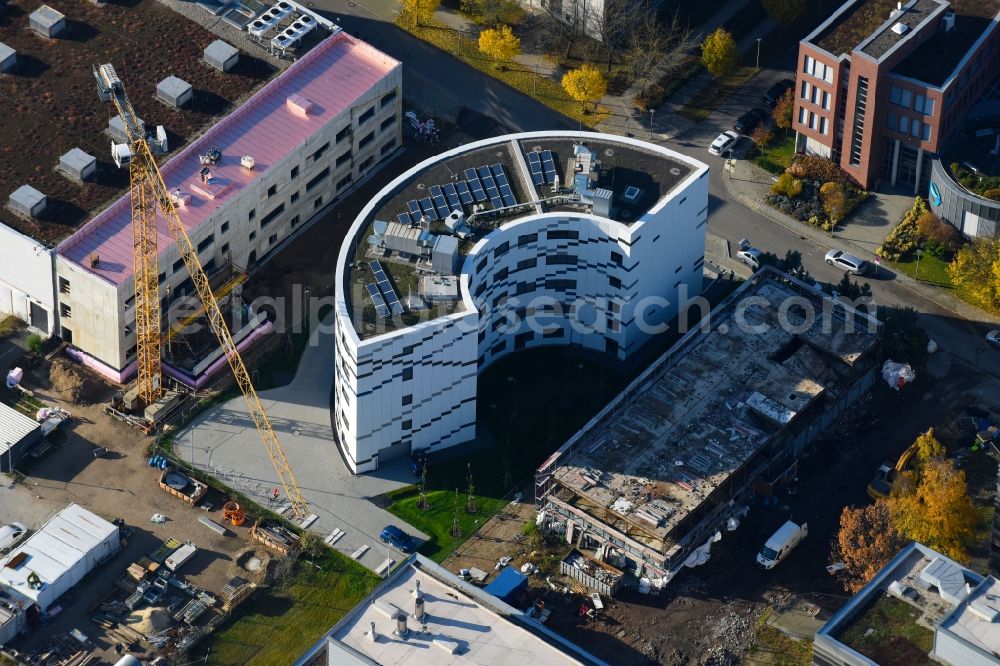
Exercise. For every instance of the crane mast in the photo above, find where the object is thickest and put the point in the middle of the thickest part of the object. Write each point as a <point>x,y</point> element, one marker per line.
<point>149,193</point>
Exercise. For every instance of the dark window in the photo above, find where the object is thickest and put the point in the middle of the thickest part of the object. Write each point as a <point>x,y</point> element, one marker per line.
<point>67,335</point>
<point>294,198</point>
<point>408,424</point>
<point>527,238</point>
<point>65,311</point>
<point>501,250</point>
<point>366,163</point>
<point>614,282</point>
<point>163,276</point>
<point>560,285</point>
<point>317,203</point>
<point>678,269</point>
<point>209,267</point>
<point>562,234</point>
<point>270,217</point>
<point>225,248</point>
<point>294,173</point>
<point>527,263</point>
<point>407,374</point>
<point>295,221</point>
<point>366,116</point>
<point>499,347</point>
<point>408,399</point>
<point>271,191</point>
<point>387,122</point>
<point>344,182</point>
<point>699,263</point>
<point>63,285</point>
<point>225,227</point>
<point>179,264</point>
<point>481,266</point>
<point>614,307</point>
<point>317,179</point>
<point>500,300</point>
<point>343,134</point>
<point>387,99</point>
<point>272,239</point>
<point>617,258</point>
<point>500,275</point>
<point>389,145</point>
<point>252,214</point>
<point>482,336</point>
<point>319,153</point>
<point>368,138</point>
<point>560,260</point>
<point>524,288</point>
<point>253,235</point>
<point>554,333</point>
<point>346,157</point>
<point>206,243</point>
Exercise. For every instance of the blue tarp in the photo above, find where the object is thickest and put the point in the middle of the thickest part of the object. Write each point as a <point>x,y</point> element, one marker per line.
<point>507,585</point>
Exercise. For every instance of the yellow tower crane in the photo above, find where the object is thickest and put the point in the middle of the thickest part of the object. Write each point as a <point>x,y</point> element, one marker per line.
<point>149,194</point>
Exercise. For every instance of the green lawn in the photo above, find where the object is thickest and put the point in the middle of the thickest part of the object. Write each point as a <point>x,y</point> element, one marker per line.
<point>466,48</point>
<point>894,639</point>
<point>931,270</point>
<point>437,521</point>
<point>771,646</point>
<point>702,104</point>
<point>278,624</point>
<point>779,155</point>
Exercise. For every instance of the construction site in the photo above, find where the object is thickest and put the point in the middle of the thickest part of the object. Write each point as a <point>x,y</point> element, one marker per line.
<point>648,484</point>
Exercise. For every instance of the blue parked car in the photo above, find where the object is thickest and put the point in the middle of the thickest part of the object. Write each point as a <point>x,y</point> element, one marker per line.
<point>397,538</point>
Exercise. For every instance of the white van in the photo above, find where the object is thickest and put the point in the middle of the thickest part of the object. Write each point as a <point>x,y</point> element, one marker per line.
<point>781,543</point>
<point>11,534</point>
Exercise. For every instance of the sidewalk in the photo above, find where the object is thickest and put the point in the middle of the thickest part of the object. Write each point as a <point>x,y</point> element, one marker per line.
<point>749,184</point>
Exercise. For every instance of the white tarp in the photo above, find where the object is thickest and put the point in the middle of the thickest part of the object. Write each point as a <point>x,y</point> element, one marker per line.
<point>14,377</point>
<point>701,554</point>
<point>897,375</point>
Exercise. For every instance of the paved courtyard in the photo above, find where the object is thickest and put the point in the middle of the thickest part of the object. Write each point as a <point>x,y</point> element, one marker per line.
<point>223,442</point>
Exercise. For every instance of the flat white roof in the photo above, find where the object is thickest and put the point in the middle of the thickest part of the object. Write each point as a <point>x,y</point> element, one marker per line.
<point>482,635</point>
<point>977,619</point>
<point>56,548</point>
<point>14,427</point>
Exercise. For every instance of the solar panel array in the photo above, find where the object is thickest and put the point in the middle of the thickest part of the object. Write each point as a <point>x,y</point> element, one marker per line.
<point>464,193</point>
<point>486,177</point>
<point>439,202</point>
<point>391,299</point>
<point>549,166</point>
<point>380,309</point>
<point>404,218</point>
<point>535,165</point>
<point>477,188</point>
<point>451,194</point>
<point>505,192</point>
<point>481,184</point>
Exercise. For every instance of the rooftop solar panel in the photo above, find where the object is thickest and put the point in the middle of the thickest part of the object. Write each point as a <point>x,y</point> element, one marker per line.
<point>464,194</point>
<point>414,208</point>
<point>533,158</point>
<point>452,195</point>
<point>550,176</point>
<point>380,307</point>
<point>477,190</point>
<point>428,207</point>
<point>404,218</point>
<point>508,195</point>
<point>471,176</point>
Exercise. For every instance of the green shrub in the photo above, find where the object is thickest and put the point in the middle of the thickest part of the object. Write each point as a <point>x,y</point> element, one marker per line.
<point>35,343</point>
<point>905,236</point>
<point>992,194</point>
<point>788,185</point>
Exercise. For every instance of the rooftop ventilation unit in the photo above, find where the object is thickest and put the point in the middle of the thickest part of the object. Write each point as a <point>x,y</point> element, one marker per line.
<point>948,22</point>
<point>401,629</point>
<point>900,28</point>
<point>247,162</point>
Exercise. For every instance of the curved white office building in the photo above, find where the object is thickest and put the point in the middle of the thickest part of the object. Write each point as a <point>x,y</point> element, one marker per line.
<point>540,238</point>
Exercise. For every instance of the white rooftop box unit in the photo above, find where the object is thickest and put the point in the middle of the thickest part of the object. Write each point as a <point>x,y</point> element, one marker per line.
<point>47,22</point>
<point>28,201</point>
<point>444,255</point>
<point>8,57</point>
<point>57,557</point>
<point>78,165</point>
<point>121,154</point>
<point>174,92</point>
<point>222,55</point>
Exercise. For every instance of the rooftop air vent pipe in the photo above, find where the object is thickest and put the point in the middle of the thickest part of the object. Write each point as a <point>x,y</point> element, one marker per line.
<point>418,609</point>
<point>372,636</point>
<point>401,629</point>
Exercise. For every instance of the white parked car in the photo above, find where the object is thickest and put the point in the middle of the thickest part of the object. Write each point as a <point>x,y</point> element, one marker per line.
<point>11,534</point>
<point>847,262</point>
<point>724,142</point>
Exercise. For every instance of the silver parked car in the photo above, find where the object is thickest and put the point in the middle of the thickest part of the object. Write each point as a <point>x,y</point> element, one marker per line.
<point>847,262</point>
<point>11,534</point>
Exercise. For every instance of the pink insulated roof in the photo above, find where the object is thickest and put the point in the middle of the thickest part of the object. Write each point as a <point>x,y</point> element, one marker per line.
<point>269,126</point>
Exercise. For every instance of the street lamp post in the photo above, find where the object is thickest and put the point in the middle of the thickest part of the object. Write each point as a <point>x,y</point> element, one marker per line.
<point>758,52</point>
<point>916,273</point>
<point>534,81</point>
<point>307,313</point>
<point>651,112</point>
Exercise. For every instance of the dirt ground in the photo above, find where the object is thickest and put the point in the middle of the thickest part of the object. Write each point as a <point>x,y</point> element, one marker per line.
<point>49,103</point>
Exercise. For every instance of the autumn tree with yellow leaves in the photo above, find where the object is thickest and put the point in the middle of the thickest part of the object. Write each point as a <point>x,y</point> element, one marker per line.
<point>501,44</point>
<point>420,12</point>
<point>585,84</point>
<point>719,53</point>
<point>976,272</point>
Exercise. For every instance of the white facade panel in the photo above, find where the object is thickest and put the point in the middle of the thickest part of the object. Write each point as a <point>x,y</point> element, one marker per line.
<point>25,278</point>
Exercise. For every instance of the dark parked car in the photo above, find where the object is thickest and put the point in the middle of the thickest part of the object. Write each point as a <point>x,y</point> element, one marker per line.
<point>397,538</point>
<point>748,122</point>
<point>775,92</point>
